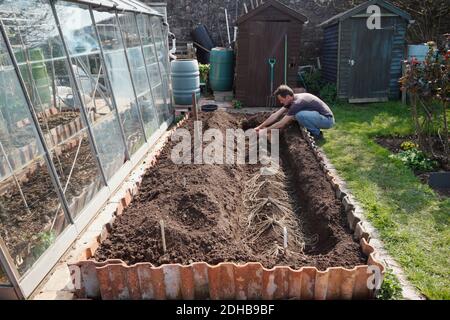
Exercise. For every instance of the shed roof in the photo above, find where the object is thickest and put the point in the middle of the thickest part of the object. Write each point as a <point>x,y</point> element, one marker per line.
<point>362,7</point>
<point>278,5</point>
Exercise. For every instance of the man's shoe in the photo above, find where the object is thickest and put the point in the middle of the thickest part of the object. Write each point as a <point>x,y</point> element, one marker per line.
<point>319,138</point>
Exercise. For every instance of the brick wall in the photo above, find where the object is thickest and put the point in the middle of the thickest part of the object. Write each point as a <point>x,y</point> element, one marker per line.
<point>184,15</point>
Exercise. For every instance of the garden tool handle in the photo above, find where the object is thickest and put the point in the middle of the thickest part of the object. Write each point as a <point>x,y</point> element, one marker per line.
<point>272,63</point>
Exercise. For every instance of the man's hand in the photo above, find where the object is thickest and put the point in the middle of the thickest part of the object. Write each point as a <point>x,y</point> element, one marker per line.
<point>271,120</point>
<point>267,132</point>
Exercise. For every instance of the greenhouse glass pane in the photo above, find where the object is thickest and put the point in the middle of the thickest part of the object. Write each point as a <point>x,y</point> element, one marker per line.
<point>152,64</point>
<point>44,66</point>
<point>17,132</point>
<point>80,37</point>
<point>138,72</point>
<point>30,213</point>
<point>149,50</point>
<point>111,150</point>
<point>120,78</point>
<point>77,171</point>
<point>3,277</point>
<point>162,54</point>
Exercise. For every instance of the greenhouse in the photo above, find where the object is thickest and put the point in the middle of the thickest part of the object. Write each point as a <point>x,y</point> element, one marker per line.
<point>84,95</point>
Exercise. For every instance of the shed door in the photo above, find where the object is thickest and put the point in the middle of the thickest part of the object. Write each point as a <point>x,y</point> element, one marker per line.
<point>370,62</point>
<point>266,42</point>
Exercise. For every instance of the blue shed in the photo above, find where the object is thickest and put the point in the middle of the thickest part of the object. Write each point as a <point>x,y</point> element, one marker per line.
<point>363,57</point>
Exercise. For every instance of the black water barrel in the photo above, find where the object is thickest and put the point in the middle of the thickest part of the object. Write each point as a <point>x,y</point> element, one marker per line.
<point>201,36</point>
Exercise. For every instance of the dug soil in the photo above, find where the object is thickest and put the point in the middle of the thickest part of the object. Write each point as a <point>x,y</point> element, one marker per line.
<point>58,119</point>
<point>202,208</point>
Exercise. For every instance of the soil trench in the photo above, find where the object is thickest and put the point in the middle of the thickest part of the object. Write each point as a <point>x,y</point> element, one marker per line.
<point>206,211</point>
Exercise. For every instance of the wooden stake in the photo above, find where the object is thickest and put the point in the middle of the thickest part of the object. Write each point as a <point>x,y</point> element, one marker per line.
<point>285,232</point>
<point>404,93</point>
<point>163,235</point>
<point>194,106</point>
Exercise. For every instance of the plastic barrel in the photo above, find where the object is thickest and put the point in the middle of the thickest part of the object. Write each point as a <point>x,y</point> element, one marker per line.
<point>185,80</point>
<point>201,36</point>
<point>221,72</point>
<point>418,51</point>
<point>39,74</point>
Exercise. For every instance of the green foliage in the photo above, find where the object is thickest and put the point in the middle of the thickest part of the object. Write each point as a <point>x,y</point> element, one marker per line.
<point>391,288</point>
<point>204,72</point>
<point>328,93</point>
<point>179,118</point>
<point>315,85</point>
<point>313,82</point>
<point>44,241</point>
<point>416,160</point>
<point>238,104</point>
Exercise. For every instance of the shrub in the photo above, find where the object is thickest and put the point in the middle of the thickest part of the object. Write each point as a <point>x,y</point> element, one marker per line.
<point>429,88</point>
<point>316,85</point>
<point>328,93</point>
<point>416,160</point>
<point>313,82</point>
<point>204,72</point>
<point>179,118</point>
<point>238,104</point>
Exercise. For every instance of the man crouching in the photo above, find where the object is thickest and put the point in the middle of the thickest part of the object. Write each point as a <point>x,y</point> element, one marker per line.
<point>310,112</point>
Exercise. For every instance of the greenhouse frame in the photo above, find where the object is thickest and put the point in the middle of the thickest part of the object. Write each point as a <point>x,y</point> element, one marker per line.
<point>85,94</point>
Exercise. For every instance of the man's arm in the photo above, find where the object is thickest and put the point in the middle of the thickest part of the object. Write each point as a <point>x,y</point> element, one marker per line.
<point>282,124</point>
<point>272,119</point>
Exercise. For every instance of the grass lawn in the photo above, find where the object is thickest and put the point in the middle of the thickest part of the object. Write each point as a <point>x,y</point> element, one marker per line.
<point>413,221</point>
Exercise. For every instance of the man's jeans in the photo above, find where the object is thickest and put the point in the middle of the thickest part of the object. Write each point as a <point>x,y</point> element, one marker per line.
<point>313,121</point>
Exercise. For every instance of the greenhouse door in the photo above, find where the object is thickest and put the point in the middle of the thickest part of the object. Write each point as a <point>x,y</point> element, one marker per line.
<point>370,63</point>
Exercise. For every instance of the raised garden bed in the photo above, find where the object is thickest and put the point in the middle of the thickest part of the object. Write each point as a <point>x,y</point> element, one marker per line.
<point>210,249</point>
<point>28,233</point>
<point>62,126</point>
<point>58,119</point>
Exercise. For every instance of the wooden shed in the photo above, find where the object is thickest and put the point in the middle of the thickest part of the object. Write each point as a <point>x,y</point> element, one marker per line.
<point>365,63</point>
<point>263,35</point>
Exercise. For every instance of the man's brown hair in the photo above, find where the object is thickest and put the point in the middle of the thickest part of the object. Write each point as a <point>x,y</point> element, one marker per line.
<point>284,91</point>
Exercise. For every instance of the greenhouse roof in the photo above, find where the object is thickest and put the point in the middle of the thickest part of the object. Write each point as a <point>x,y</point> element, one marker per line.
<point>125,5</point>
